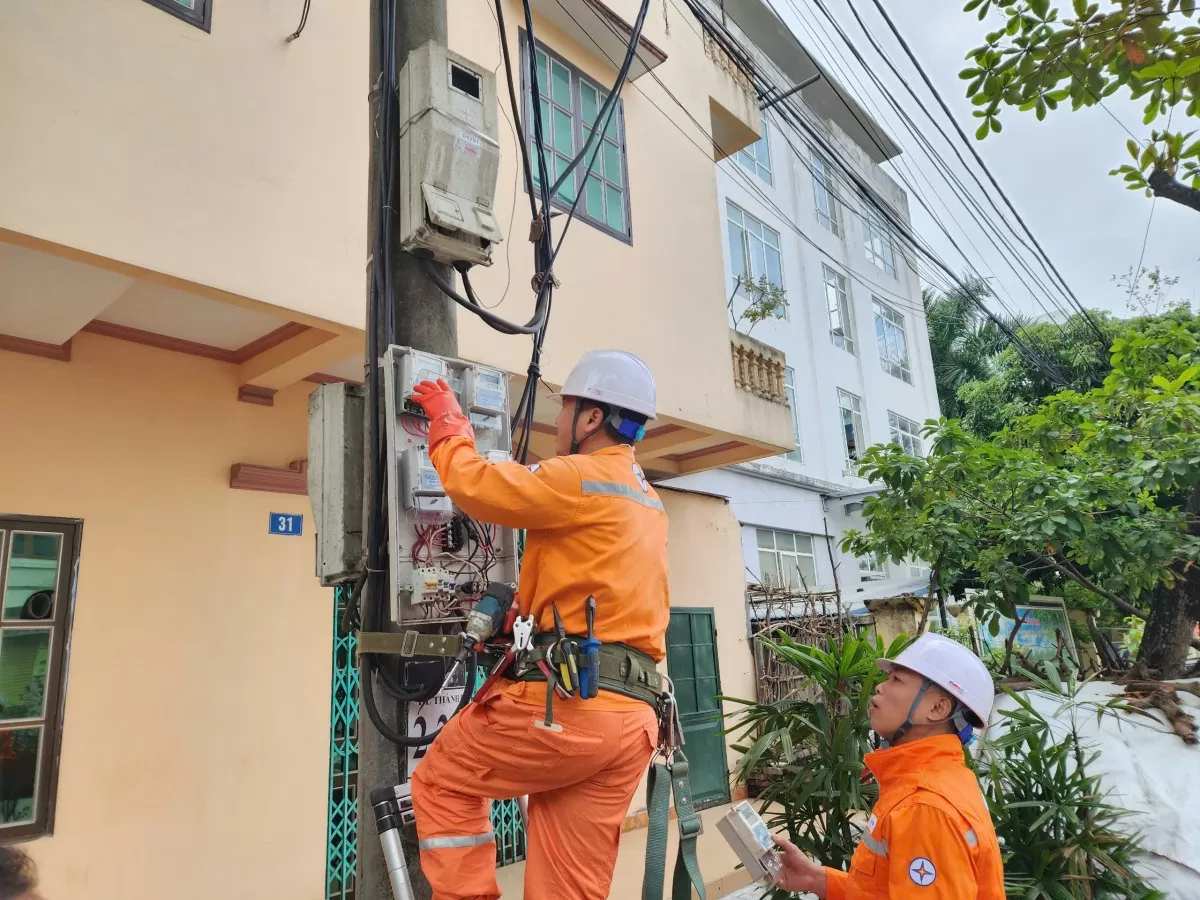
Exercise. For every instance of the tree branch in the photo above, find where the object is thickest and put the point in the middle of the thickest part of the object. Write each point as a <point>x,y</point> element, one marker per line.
<point>1164,184</point>
<point>1065,566</point>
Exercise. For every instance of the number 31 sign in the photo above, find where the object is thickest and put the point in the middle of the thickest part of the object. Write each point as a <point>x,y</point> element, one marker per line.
<point>285,523</point>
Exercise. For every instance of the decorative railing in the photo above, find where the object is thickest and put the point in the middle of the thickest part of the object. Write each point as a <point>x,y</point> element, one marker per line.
<point>758,368</point>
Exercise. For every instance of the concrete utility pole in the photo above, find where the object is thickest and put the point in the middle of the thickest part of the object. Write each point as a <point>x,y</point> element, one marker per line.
<point>425,320</point>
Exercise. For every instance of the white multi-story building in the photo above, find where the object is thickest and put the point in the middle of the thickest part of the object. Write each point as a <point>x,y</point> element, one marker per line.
<point>859,370</point>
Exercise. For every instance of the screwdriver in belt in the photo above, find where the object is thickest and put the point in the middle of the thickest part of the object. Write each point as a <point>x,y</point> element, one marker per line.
<point>568,667</point>
<point>591,648</point>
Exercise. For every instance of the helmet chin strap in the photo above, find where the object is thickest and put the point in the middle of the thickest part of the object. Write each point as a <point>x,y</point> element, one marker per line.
<point>962,728</point>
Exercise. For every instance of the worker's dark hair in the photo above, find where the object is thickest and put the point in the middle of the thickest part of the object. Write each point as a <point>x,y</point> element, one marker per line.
<point>17,874</point>
<point>585,405</point>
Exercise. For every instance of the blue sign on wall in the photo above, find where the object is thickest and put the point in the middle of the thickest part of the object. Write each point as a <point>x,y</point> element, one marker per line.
<point>286,523</point>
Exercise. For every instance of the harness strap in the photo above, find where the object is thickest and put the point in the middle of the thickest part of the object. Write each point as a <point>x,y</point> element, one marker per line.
<point>665,779</point>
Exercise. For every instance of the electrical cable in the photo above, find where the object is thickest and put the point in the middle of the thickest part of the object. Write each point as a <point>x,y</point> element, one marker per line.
<point>982,165</point>
<point>796,120</point>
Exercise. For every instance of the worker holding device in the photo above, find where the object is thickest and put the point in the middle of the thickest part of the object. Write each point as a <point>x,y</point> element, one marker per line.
<point>929,835</point>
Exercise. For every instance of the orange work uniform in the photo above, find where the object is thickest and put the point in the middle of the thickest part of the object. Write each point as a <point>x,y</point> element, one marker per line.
<point>594,527</point>
<point>929,836</point>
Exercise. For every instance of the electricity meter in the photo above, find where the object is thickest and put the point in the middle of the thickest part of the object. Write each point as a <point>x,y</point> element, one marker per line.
<point>415,367</point>
<point>420,487</point>
<point>449,157</point>
<point>485,391</point>
<point>748,835</point>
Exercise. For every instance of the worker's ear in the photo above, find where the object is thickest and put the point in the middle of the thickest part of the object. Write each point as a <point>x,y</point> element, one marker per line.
<point>942,708</point>
<point>592,420</point>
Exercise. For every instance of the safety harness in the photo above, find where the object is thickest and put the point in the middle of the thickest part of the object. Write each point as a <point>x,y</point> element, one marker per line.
<point>631,673</point>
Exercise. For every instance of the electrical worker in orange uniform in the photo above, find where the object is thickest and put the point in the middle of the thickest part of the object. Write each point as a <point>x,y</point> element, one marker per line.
<point>930,835</point>
<point>596,528</point>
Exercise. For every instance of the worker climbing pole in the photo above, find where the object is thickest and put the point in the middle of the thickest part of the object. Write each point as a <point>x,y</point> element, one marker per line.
<point>572,708</point>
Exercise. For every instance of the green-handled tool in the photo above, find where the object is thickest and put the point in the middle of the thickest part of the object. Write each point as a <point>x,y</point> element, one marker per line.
<point>590,680</point>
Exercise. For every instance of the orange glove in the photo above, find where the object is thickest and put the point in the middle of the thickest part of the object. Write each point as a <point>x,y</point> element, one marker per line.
<point>446,417</point>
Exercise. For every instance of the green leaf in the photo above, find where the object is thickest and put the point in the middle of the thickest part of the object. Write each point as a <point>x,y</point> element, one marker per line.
<point>1188,68</point>
<point>1164,68</point>
<point>982,131</point>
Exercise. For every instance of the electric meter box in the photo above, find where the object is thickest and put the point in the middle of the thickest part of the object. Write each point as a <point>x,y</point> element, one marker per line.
<point>425,571</point>
<point>748,835</point>
<point>335,477</point>
<point>449,157</point>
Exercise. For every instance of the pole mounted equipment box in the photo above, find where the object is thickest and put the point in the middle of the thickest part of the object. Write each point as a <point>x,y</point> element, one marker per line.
<point>748,835</point>
<point>449,157</point>
<point>335,475</point>
<point>438,556</point>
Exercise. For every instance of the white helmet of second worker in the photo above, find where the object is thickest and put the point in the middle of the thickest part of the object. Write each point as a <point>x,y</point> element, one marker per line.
<point>952,667</point>
<point>613,377</point>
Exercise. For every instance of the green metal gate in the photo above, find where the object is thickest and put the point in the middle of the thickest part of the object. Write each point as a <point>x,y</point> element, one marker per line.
<point>342,833</point>
<point>692,665</point>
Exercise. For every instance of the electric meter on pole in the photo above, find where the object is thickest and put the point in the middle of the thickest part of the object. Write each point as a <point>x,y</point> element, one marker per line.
<point>440,558</point>
<point>449,157</point>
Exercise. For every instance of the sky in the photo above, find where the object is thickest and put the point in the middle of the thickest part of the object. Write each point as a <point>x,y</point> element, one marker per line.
<point>1055,172</point>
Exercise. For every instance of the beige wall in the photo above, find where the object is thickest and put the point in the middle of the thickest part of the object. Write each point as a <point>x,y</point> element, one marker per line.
<point>707,570</point>
<point>237,162</point>
<point>195,747</point>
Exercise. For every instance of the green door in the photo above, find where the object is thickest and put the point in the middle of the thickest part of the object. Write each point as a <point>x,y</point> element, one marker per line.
<point>692,665</point>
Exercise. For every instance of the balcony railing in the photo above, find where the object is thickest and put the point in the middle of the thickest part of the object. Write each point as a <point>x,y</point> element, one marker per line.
<point>758,368</point>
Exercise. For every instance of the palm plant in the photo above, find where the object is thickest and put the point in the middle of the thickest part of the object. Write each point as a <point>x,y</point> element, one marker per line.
<point>962,339</point>
<point>818,745</point>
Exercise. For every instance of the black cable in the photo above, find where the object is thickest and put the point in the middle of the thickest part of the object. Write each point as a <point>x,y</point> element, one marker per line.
<point>303,21</point>
<point>497,322</point>
<point>786,110</point>
<point>986,171</point>
<point>610,101</point>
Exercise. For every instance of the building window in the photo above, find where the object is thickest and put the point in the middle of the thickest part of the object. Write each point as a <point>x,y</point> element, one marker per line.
<point>918,569</point>
<point>826,206</point>
<point>196,12</point>
<point>906,433</point>
<point>878,239</point>
<point>38,564</point>
<point>753,248</point>
<point>756,158</point>
<point>893,345</point>
<point>837,303</point>
<point>789,386</point>
<point>871,568</point>
<point>850,408</point>
<point>570,103</point>
<point>786,560</point>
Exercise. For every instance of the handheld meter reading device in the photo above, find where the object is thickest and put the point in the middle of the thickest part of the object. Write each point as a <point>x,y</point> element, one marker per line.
<point>747,834</point>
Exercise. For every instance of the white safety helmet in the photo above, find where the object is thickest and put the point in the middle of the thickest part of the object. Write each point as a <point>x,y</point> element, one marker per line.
<point>615,378</point>
<point>952,667</point>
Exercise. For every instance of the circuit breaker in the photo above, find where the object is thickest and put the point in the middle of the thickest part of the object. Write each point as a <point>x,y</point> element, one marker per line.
<point>440,557</point>
<point>449,157</point>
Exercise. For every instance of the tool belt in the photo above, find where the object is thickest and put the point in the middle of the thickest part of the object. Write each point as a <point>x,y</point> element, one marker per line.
<point>623,670</point>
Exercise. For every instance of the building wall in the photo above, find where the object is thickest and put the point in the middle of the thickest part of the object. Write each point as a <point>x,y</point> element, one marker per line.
<point>706,570</point>
<point>236,162</point>
<point>197,704</point>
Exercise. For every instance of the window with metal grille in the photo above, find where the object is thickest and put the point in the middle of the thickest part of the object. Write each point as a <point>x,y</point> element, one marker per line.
<point>789,386</point>
<point>823,199</point>
<point>786,560</point>
<point>893,344</point>
<point>194,12</point>
<point>906,433</point>
<point>757,157</point>
<point>850,409</point>
<point>570,103</point>
<point>37,567</point>
<point>837,304</point>
<point>877,239</point>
